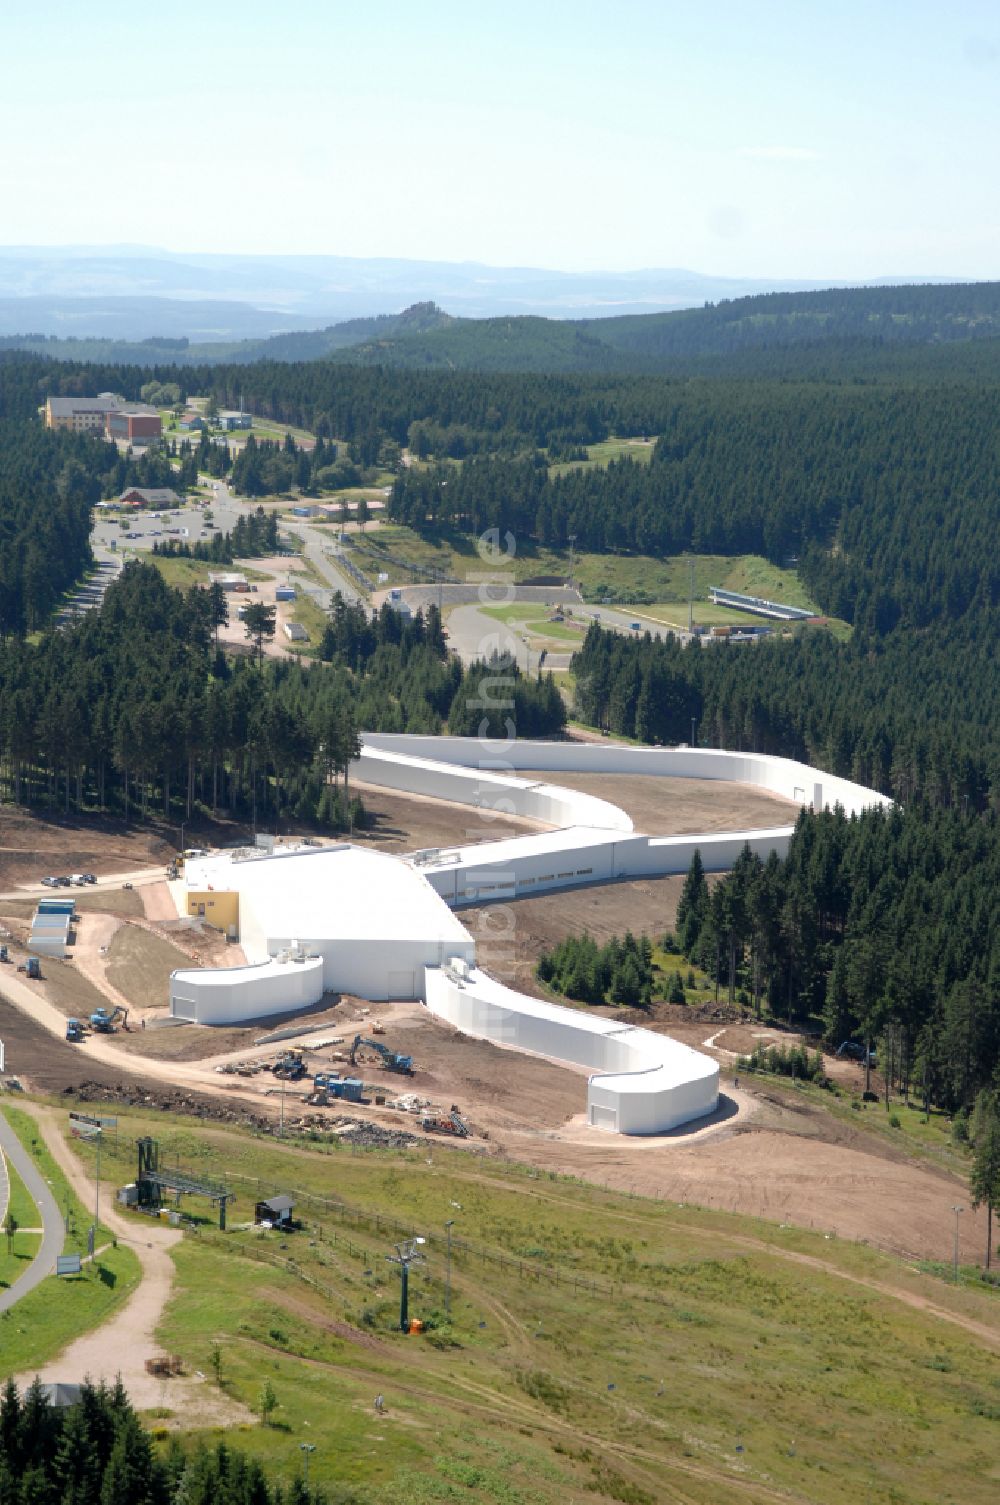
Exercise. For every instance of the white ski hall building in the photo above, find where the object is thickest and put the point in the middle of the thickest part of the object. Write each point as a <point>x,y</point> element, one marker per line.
<point>344,919</point>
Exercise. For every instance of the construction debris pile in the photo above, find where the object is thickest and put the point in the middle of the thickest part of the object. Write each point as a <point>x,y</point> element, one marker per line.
<point>170,1100</point>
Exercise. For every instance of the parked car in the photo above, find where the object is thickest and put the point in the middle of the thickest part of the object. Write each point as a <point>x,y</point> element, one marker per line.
<point>90,877</point>
<point>50,882</point>
<point>63,882</point>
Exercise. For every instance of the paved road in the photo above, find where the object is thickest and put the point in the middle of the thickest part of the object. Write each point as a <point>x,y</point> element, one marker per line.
<point>136,876</point>
<point>90,592</point>
<point>474,635</point>
<point>44,1262</point>
<point>317,548</point>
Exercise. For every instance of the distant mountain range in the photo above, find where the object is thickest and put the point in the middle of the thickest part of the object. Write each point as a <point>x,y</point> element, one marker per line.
<point>835,332</point>
<point>136,293</point>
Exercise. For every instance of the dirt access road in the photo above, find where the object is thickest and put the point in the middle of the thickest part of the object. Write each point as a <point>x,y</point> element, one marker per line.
<point>121,1346</point>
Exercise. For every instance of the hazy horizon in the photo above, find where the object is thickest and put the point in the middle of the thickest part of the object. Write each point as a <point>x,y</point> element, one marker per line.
<point>789,144</point>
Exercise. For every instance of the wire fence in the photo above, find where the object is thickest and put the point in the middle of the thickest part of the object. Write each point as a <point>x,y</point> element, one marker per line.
<point>337,1212</point>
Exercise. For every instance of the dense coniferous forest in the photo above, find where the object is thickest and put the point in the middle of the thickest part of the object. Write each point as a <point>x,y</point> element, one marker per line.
<point>48,484</point>
<point>133,708</point>
<point>424,337</point>
<point>97,1452</point>
<point>255,536</point>
<point>889,499</point>
<point>619,972</point>
<point>879,475</point>
<point>915,715</point>
<point>885,927</point>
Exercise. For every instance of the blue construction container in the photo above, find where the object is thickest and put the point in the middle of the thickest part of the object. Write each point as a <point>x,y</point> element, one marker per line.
<point>56,906</point>
<point>348,1088</point>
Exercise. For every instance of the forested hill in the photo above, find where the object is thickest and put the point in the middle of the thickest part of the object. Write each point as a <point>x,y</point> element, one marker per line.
<point>844,329</point>
<point>846,317</point>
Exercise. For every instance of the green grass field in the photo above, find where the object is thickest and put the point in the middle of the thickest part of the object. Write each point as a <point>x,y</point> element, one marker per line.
<point>310,616</point>
<point>535,621</point>
<point>20,1201</point>
<point>665,1352</point>
<point>600,456</point>
<point>187,572</point>
<point>659,586</point>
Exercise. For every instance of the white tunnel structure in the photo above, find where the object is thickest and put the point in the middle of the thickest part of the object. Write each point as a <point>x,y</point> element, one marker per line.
<point>381,927</point>
<point>641,1083</point>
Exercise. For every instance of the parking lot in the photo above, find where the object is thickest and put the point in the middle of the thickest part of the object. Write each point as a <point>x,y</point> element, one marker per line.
<point>182,524</point>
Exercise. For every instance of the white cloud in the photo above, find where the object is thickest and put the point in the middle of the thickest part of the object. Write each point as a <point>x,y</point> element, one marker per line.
<point>779,153</point>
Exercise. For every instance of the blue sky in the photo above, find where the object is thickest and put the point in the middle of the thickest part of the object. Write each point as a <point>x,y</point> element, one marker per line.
<point>771,139</point>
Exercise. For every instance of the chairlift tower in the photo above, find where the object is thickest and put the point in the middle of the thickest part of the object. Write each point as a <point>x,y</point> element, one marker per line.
<point>407,1253</point>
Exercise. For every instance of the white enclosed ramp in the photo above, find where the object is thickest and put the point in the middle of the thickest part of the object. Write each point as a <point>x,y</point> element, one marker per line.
<point>233,995</point>
<point>643,1083</point>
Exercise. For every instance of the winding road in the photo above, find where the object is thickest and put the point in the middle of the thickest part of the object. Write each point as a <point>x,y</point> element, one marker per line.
<point>52,1224</point>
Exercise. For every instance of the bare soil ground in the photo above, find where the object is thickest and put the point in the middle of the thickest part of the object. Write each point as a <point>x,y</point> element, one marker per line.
<point>106,901</point>
<point>643,905</point>
<point>280,568</point>
<point>193,1042</point>
<point>139,965</point>
<point>778,1158</point>
<point>32,845</point>
<point>675,807</point>
<point>157,903</point>
<point>851,1191</point>
<point>497,1089</point>
<point>405,823</point>
<point>69,989</point>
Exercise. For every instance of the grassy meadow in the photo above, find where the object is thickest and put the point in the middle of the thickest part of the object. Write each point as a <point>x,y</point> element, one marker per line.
<point>599,1346</point>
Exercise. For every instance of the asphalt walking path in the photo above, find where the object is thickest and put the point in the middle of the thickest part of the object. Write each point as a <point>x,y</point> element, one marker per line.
<point>44,1262</point>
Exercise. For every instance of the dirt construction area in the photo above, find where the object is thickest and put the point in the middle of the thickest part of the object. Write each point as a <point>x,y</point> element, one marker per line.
<point>676,807</point>
<point>32,846</point>
<point>511,939</point>
<point>770,1153</point>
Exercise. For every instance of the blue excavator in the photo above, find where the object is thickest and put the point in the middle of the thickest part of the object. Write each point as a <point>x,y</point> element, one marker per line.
<point>391,1060</point>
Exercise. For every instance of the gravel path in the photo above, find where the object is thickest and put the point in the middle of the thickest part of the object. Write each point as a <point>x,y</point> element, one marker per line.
<point>123,1344</point>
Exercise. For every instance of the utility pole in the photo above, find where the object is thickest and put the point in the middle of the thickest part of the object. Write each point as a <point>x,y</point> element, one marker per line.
<point>97,1184</point>
<point>691,595</point>
<point>281,1127</point>
<point>307,1448</point>
<point>572,557</point>
<point>447,1290</point>
<point>958,1212</point>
